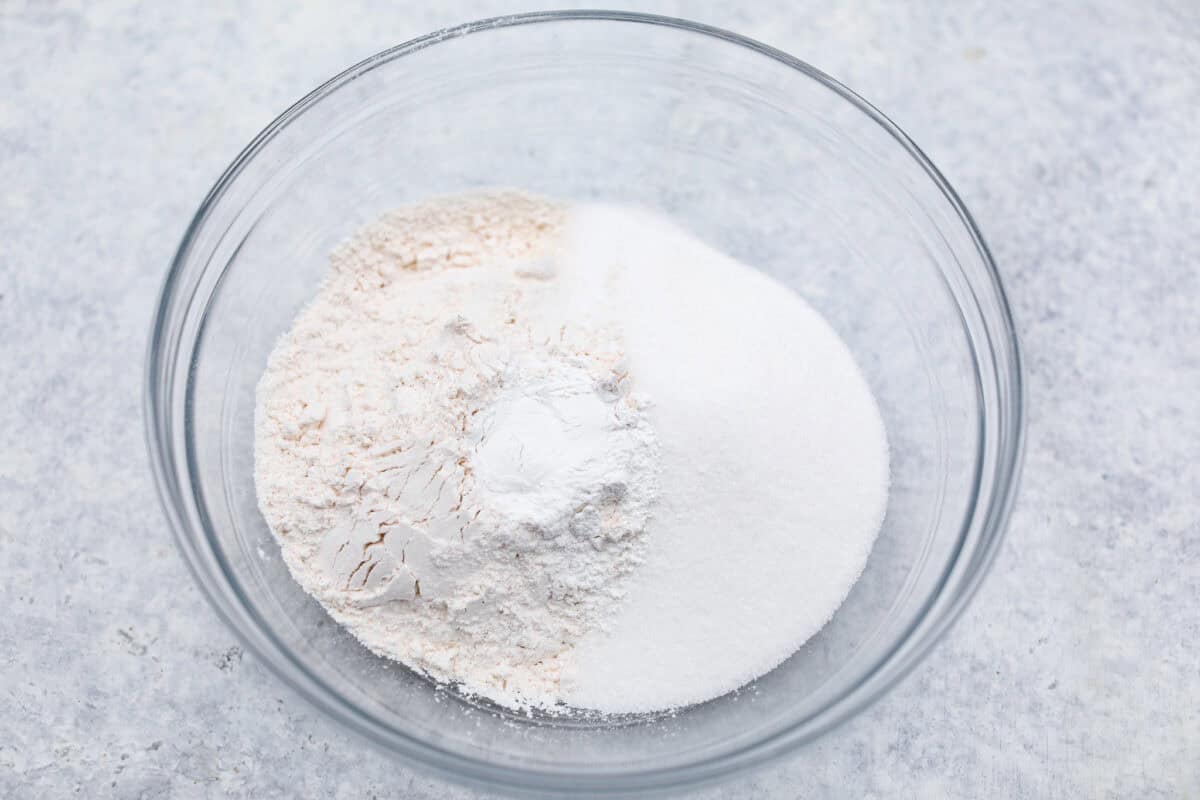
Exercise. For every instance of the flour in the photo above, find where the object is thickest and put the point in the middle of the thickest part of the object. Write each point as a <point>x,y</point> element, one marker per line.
<point>567,457</point>
<point>463,479</point>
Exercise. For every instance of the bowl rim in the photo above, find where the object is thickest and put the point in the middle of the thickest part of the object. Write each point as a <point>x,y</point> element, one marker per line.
<point>174,495</point>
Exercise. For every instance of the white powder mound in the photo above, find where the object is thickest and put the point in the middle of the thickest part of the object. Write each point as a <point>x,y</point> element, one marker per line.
<point>575,458</point>
<point>775,465</point>
<point>459,474</point>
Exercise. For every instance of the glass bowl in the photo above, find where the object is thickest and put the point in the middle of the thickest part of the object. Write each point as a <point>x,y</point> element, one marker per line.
<point>752,150</point>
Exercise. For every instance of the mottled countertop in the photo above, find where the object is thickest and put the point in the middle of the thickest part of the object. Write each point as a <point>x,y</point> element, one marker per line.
<point>1069,129</point>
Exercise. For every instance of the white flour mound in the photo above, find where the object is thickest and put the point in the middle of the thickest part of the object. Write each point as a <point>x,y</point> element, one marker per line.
<point>456,470</point>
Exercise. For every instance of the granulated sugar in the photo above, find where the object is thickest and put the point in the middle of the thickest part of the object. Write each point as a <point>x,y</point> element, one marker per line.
<point>567,456</point>
<point>774,466</point>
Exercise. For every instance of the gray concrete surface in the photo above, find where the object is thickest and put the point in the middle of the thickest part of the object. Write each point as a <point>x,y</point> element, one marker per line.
<point>1070,131</point>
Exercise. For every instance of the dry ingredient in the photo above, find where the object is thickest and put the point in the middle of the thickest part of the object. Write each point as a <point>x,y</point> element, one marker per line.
<point>460,476</point>
<point>567,456</point>
<point>774,465</point>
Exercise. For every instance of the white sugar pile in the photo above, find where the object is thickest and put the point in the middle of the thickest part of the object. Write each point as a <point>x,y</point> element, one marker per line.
<point>774,466</point>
